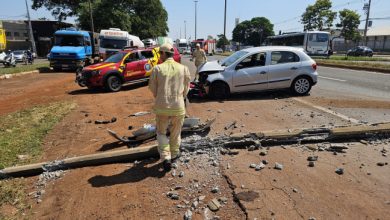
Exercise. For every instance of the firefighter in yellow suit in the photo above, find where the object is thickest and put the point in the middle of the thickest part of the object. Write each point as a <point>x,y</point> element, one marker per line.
<point>199,56</point>
<point>169,83</point>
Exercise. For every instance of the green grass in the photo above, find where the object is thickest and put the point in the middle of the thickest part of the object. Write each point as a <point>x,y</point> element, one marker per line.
<point>343,57</point>
<point>372,66</point>
<point>22,133</point>
<point>20,67</point>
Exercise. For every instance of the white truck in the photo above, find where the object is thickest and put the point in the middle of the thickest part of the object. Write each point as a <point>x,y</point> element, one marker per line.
<point>149,42</point>
<point>182,45</point>
<point>114,40</point>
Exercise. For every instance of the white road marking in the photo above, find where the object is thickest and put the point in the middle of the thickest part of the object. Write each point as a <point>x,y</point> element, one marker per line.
<point>355,121</point>
<point>340,80</point>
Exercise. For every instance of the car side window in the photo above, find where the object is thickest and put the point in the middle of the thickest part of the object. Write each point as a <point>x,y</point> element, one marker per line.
<point>146,54</point>
<point>253,60</point>
<point>279,57</point>
<point>132,57</point>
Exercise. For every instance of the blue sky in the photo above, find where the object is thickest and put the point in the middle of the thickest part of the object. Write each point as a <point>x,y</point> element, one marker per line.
<point>284,14</point>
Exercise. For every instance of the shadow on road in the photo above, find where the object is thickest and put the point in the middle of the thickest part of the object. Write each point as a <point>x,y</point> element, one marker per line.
<point>267,95</point>
<point>127,87</point>
<point>111,146</point>
<point>136,173</point>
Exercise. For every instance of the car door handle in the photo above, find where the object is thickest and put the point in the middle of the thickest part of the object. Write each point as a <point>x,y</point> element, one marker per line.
<point>263,72</point>
<point>294,68</point>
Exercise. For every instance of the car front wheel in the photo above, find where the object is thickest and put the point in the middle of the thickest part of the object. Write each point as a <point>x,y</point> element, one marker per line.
<point>113,84</point>
<point>301,86</point>
<point>219,90</point>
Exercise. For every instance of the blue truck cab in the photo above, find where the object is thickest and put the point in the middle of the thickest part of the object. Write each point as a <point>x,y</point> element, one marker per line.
<point>73,49</point>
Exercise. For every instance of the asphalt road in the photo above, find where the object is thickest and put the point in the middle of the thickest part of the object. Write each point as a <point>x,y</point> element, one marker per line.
<point>360,95</point>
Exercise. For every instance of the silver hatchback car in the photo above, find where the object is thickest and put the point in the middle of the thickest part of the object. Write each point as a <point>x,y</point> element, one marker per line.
<point>257,69</point>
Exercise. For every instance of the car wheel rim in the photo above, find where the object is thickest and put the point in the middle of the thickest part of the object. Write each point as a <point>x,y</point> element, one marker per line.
<point>302,86</point>
<point>115,83</point>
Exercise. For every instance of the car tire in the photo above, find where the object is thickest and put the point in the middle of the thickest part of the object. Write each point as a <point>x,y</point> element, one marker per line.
<point>113,84</point>
<point>219,90</point>
<point>301,86</point>
<point>57,69</point>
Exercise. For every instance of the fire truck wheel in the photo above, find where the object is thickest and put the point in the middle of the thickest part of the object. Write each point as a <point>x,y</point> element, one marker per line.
<point>113,84</point>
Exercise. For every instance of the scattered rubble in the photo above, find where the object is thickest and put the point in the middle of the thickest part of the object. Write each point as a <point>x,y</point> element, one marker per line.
<point>188,215</point>
<point>139,114</point>
<point>214,205</point>
<point>278,166</point>
<point>340,171</point>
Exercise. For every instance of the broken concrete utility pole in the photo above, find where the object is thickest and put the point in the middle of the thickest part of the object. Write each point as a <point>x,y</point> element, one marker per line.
<point>240,140</point>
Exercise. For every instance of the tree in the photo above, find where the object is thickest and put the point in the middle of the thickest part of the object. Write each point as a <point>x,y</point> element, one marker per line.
<point>144,18</point>
<point>222,41</point>
<point>253,32</point>
<point>349,24</point>
<point>318,16</point>
<point>209,37</point>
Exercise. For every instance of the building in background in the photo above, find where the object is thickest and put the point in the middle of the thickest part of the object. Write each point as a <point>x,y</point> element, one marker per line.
<point>17,36</point>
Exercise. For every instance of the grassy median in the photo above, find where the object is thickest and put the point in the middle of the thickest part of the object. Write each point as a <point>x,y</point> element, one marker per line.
<point>369,66</point>
<point>21,137</point>
<point>23,68</point>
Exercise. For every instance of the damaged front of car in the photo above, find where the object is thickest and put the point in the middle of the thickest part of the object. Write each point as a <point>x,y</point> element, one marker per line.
<point>216,77</point>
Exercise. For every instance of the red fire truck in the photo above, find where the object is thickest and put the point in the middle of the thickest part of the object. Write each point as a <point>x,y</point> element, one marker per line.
<point>207,45</point>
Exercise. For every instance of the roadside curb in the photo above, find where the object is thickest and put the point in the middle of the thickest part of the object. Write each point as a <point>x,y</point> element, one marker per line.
<point>9,76</point>
<point>237,140</point>
<point>352,67</point>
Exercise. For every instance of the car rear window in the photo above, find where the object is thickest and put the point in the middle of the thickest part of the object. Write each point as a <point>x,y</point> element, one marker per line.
<point>278,57</point>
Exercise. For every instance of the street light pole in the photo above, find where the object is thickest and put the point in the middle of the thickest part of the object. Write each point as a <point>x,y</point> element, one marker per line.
<point>185,30</point>
<point>196,5</point>
<point>367,8</point>
<point>34,49</point>
<point>90,14</point>
<point>224,27</point>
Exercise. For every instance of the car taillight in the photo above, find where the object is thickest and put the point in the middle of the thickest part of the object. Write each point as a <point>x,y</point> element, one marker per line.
<point>314,65</point>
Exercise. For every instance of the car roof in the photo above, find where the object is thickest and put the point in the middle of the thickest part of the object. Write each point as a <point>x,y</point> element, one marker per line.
<point>264,48</point>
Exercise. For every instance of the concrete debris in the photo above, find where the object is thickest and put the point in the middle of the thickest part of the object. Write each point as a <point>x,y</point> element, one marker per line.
<point>253,165</point>
<point>340,171</point>
<point>201,198</point>
<point>252,148</point>
<point>312,158</point>
<point>259,167</point>
<point>113,119</point>
<point>263,153</point>
<point>188,215</point>
<point>224,200</point>
<point>295,190</point>
<point>215,189</point>
<point>54,165</point>
<point>139,114</point>
<point>181,174</point>
<point>311,164</point>
<point>278,166</point>
<point>195,204</point>
<point>173,195</point>
<point>230,125</point>
<point>381,164</point>
<point>214,205</point>
<point>264,162</point>
<point>219,111</point>
<point>233,152</point>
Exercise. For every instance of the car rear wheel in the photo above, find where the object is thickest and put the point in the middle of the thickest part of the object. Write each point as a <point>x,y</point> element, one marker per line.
<point>219,90</point>
<point>57,69</point>
<point>113,84</point>
<point>301,86</point>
